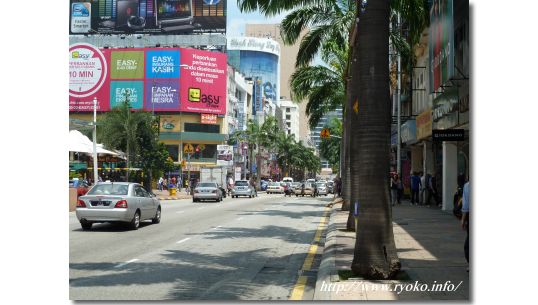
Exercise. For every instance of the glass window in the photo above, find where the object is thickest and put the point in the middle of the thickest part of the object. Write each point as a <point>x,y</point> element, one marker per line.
<point>109,189</point>
<point>173,151</point>
<point>210,152</point>
<point>241,183</point>
<point>207,184</point>
<point>197,127</point>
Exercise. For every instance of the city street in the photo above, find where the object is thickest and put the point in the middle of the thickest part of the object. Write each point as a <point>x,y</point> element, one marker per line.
<point>248,249</point>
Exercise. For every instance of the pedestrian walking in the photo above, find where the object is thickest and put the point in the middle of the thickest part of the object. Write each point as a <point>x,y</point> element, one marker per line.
<point>415,188</point>
<point>423,189</point>
<point>160,183</point>
<point>465,219</point>
<point>394,181</point>
<point>432,190</point>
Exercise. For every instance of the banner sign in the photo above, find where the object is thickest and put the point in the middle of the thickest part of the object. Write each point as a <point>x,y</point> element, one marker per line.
<point>153,17</point>
<point>424,124</point>
<point>441,44</point>
<point>225,155</point>
<point>257,96</point>
<point>448,135</point>
<point>151,79</point>
<point>409,131</point>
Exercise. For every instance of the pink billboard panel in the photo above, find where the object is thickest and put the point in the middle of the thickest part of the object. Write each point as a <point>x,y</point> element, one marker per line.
<point>88,77</point>
<point>203,82</point>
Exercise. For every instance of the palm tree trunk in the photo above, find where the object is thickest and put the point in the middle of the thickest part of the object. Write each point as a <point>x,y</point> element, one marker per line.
<point>350,225</point>
<point>375,253</point>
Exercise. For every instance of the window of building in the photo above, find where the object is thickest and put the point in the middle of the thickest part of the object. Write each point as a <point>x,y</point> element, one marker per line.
<point>210,152</point>
<point>288,117</point>
<point>173,151</point>
<point>288,109</point>
<point>197,127</point>
<point>288,124</point>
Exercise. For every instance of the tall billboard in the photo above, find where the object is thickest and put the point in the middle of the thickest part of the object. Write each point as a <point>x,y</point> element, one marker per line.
<point>441,43</point>
<point>152,79</point>
<point>154,17</point>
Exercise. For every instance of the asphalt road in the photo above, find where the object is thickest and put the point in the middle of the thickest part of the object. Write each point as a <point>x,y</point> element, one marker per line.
<point>239,249</point>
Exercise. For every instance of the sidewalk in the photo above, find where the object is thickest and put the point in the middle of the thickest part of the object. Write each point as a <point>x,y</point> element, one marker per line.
<point>165,195</point>
<point>430,247</point>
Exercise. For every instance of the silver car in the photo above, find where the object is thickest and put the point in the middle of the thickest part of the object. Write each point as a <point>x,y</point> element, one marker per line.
<point>117,202</point>
<point>322,188</point>
<point>207,191</point>
<point>243,188</point>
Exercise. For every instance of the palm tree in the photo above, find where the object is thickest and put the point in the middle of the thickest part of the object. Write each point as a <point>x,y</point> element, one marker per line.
<point>120,129</point>
<point>375,253</point>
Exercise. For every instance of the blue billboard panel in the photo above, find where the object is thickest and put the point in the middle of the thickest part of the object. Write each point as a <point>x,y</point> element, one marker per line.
<point>162,64</point>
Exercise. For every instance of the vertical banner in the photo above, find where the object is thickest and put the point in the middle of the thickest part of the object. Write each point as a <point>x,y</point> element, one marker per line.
<point>441,44</point>
<point>257,96</point>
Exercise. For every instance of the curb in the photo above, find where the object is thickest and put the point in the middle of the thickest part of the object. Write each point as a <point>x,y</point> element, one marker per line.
<point>327,268</point>
<point>174,198</point>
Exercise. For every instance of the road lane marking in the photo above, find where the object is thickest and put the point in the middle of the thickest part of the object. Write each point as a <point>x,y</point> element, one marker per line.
<point>216,227</point>
<point>239,218</point>
<point>127,262</point>
<point>183,240</point>
<point>298,290</point>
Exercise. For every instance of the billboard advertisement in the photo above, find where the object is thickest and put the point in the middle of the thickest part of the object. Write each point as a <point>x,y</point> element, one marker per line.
<point>225,155</point>
<point>441,44</point>
<point>154,17</point>
<point>257,57</point>
<point>152,79</point>
<point>203,82</point>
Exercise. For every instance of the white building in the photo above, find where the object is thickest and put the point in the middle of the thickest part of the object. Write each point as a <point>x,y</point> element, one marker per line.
<point>287,114</point>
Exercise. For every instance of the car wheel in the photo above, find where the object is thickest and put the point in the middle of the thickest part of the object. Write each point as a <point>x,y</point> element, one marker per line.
<point>135,222</point>
<point>157,218</point>
<point>86,225</point>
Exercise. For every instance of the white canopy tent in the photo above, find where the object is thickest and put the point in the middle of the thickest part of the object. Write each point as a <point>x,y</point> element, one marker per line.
<point>80,143</point>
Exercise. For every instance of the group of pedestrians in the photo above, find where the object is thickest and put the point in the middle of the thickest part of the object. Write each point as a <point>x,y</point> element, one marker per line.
<point>163,183</point>
<point>423,189</point>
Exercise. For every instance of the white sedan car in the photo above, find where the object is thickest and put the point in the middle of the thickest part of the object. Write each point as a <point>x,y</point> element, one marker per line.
<point>117,202</point>
<point>275,188</point>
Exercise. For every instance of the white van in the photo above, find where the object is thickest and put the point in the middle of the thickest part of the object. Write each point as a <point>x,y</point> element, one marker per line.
<point>287,179</point>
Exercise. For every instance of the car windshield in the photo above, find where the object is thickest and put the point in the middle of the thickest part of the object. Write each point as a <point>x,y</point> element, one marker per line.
<point>207,184</point>
<point>109,189</point>
<point>241,183</point>
<point>320,184</point>
<point>274,184</point>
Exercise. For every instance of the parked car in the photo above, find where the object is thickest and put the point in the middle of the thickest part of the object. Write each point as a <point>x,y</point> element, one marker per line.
<point>243,188</point>
<point>330,187</point>
<point>322,188</point>
<point>124,202</point>
<point>275,188</point>
<point>307,190</point>
<point>207,191</point>
<point>81,185</point>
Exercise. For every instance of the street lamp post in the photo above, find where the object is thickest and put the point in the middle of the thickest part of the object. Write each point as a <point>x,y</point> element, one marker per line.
<point>95,174</point>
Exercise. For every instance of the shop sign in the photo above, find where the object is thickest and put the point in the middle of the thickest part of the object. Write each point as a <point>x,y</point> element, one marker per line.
<point>170,123</point>
<point>424,124</point>
<point>409,131</point>
<point>206,118</point>
<point>448,135</point>
<point>441,43</point>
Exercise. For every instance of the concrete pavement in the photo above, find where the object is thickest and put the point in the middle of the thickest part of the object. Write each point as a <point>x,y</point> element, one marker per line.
<point>430,247</point>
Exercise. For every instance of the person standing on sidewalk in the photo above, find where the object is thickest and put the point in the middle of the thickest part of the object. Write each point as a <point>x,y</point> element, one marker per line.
<point>432,190</point>
<point>465,218</point>
<point>415,188</point>
<point>394,182</point>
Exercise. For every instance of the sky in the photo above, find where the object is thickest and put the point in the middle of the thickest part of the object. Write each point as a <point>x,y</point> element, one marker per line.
<point>236,20</point>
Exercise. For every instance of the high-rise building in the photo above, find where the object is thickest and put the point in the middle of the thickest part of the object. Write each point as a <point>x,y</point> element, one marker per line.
<point>287,67</point>
<point>314,133</point>
<point>287,115</point>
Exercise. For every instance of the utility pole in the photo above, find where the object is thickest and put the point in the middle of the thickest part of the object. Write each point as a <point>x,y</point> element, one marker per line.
<point>95,173</point>
<point>399,110</point>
